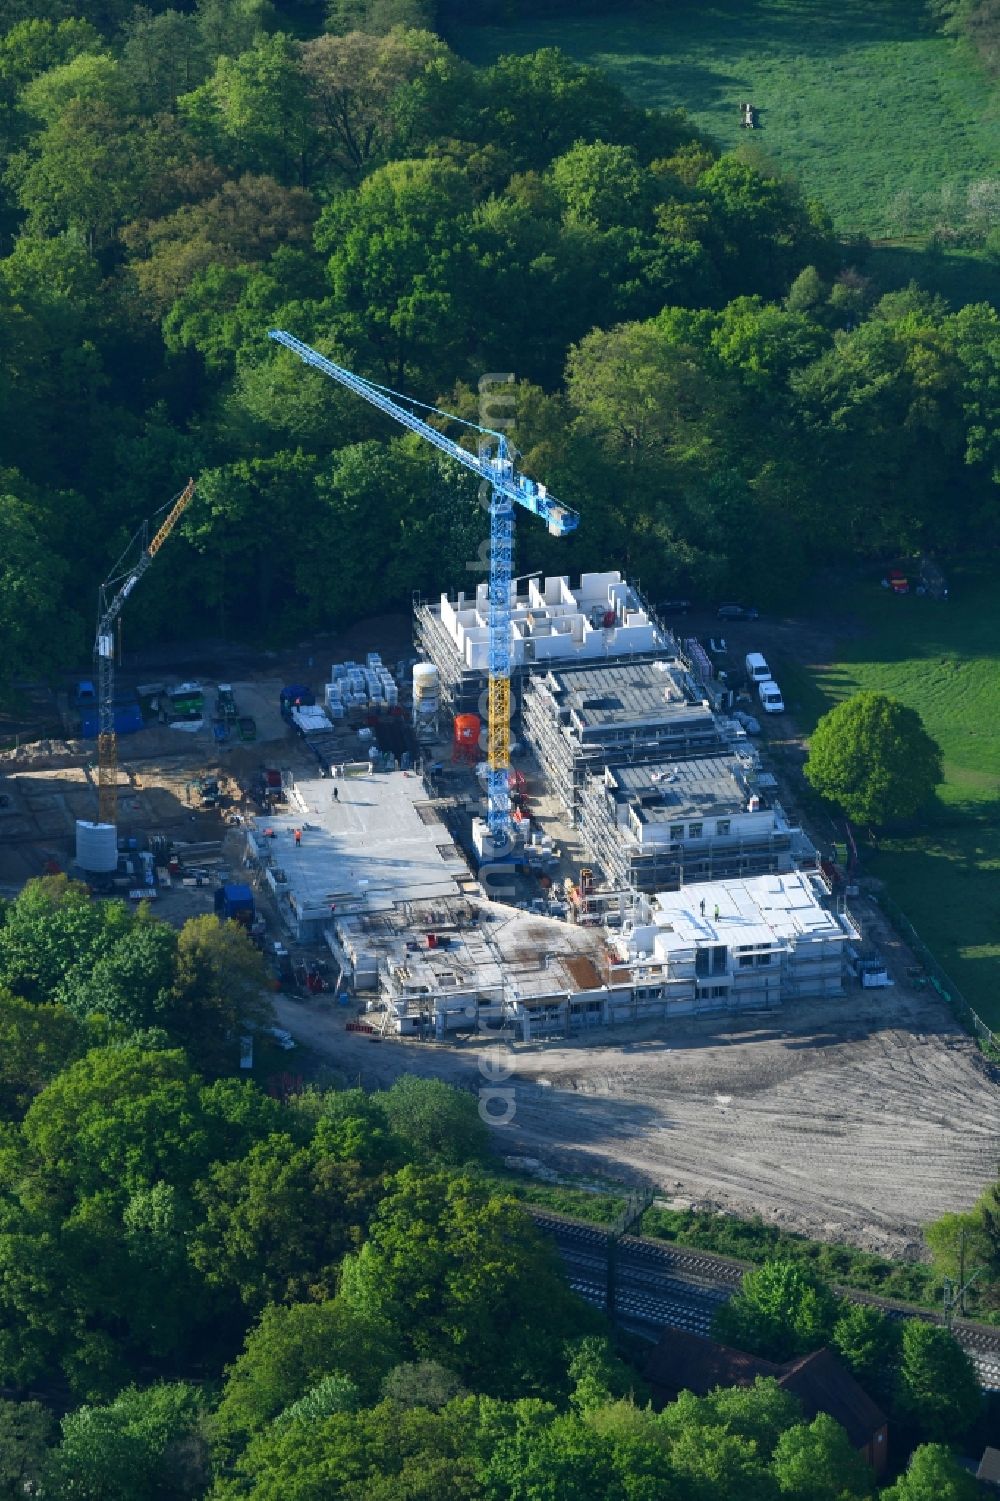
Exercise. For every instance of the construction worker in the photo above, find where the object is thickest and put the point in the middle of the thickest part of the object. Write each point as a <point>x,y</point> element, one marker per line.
<point>298,841</point>
<point>717,912</point>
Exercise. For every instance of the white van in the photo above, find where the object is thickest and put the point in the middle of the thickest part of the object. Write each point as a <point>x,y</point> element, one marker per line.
<point>771,700</point>
<point>757,669</point>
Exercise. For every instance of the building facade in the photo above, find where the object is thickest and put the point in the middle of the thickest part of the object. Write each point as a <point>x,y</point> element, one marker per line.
<point>659,826</point>
<point>748,944</point>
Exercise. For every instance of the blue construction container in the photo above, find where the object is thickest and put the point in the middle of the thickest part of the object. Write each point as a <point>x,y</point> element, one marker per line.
<point>128,719</point>
<point>235,903</point>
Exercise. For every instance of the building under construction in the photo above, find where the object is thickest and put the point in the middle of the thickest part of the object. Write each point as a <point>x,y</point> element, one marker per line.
<point>579,720</point>
<point>655,827</point>
<point>736,945</point>
<point>603,618</point>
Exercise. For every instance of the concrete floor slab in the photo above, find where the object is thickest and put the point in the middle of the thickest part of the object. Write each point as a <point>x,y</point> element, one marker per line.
<point>369,847</point>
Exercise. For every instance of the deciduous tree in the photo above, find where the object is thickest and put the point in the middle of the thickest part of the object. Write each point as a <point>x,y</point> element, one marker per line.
<point>781,1310</point>
<point>288,1351</point>
<point>219,990</point>
<point>461,1273</point>
<point>145,1443</point>
<point>437,1123</point>
<point>933,1474</point>
<point>355,85</point>
<point>872,755</point>
<point>815,1462</point>
<point>937,1389</point>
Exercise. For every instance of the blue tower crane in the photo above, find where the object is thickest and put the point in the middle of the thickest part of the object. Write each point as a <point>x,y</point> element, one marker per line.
<point>493,463</point>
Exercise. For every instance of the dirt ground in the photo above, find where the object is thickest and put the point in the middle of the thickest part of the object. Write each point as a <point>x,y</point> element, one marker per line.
<point>855,1120</point>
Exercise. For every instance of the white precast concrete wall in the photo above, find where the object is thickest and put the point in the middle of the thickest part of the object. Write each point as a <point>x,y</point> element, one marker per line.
<point>556,623</point>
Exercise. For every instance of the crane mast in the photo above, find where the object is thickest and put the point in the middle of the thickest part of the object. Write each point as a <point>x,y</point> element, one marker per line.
<point>113,593</point>
<point>493,463</point>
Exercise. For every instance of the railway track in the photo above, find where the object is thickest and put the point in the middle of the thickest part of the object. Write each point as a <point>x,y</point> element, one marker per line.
<point>658,1286</point>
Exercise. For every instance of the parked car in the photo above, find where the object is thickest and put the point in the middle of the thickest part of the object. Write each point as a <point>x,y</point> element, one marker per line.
<point>283,1038</point>
<point>737,612</point>
<point>674,607</point>
<point>751,725</point>
<point>756,666</point>
<point>771,700</point>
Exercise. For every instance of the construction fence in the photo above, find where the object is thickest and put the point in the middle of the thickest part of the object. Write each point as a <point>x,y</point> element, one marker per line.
<point>946,988</point>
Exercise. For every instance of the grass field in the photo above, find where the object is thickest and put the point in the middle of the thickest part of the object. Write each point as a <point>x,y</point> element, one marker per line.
<point>875,113</point>
<point>944,660</point>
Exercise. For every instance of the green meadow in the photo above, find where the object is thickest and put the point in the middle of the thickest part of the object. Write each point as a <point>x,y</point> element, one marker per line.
<point>942,658</point>
<point>879,116</point>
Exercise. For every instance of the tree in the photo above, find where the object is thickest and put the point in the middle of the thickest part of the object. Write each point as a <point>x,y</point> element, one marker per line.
<point>596,1373</point>
<point>36,1043</point>
<point>933,1474</point>
<point>131,983</point>
<point>335,1393</point>
<point>937,1388</point>
<point>781,1310</point>
<point>402,269</point>
<point>807,293</point>
<point>31,47</point>
<point>164,55</point>
<point>438,1123</point>
<point>603,185</point>
<point>25,1434</point>
<point>421,1383</point>
<point>646,402</point>
<point>868,1340</point>
<point>550,1454</point>
<point>144,1444</point>
<point>815,1462</point>
<point>461,1273</point>
<point>90,77</point>
<point>708,1463</point>
<point>541,103</point>
<point>961,1243</point>
<point>52,925</point>
<point>85,172</point>
<point>255,113</point>
<point>872,755</point>
<point>243,223</point>
<point>288,1351</point>
<point>28,574</point>
<point>760,1413</point>
<point>218,990</point>
<point>382,1454</point>
<point>277,1222</point>
<point>768,232</point>
<point>119,1119</point>
<point>355,84</point>
<point>380,16</point>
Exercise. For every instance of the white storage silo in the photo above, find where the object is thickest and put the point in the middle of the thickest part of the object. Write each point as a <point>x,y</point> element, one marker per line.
<point>96,847</point>
<point>426,693</point>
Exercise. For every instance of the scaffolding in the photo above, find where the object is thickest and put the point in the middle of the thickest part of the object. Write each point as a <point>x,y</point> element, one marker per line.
<point>666,866</point>
<point>462,686</point>
<point>573,749</point>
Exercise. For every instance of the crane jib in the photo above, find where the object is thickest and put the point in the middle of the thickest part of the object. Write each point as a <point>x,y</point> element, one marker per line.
<point>499,473</point>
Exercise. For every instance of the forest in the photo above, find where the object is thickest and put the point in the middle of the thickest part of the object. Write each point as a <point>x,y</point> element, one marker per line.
<point>700,366</point>
<point>218,1287</point>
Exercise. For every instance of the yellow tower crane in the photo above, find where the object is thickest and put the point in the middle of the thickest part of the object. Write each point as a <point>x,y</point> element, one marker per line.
<point>114,592</point>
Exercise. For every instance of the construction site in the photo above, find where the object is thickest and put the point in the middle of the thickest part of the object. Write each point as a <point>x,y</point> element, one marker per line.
<point>529,816</point>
